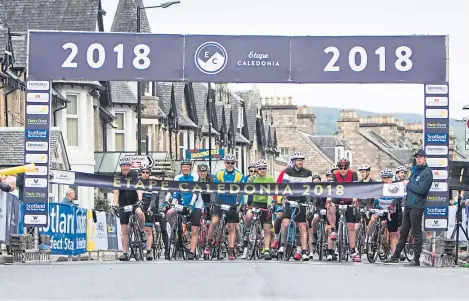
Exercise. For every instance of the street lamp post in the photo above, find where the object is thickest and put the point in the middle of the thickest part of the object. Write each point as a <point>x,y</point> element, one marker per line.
<point>139,87</point>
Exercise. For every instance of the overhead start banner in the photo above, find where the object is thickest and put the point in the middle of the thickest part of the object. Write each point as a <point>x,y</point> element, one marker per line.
<point>334,190</point>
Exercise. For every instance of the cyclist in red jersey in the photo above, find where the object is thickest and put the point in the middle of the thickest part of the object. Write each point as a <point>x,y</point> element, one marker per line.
<point>343,175</point>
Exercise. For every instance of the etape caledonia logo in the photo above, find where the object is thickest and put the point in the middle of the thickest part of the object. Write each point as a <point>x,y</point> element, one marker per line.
<point>211,58</point>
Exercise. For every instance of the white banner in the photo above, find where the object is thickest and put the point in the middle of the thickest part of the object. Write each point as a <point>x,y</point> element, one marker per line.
<point>119,233</point>
<point>452,222</point>
<point>101,231</point>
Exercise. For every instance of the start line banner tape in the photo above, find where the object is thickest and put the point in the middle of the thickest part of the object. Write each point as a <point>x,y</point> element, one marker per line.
<point>334,190</point>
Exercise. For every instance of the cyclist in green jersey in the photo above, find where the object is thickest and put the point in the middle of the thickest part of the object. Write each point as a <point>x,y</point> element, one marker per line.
<point>260,201</point>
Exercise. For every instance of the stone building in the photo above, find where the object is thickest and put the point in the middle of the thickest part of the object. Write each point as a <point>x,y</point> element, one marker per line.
<point>295,132</point>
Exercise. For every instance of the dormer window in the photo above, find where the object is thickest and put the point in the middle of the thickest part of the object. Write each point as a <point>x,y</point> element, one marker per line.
<point>339,153</point>
<point>240,117</point>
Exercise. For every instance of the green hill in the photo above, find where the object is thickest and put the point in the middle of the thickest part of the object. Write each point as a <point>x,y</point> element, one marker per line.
<point>326,121</point>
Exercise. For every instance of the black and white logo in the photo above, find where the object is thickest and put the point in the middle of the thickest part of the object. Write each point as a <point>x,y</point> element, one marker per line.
<point>211,58</point>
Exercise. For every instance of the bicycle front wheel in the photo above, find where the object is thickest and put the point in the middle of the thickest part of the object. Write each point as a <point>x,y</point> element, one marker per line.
<point>135,242</point>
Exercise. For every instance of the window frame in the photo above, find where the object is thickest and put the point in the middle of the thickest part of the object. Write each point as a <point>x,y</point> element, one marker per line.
<point>72,116</point>
<point>118,131</point>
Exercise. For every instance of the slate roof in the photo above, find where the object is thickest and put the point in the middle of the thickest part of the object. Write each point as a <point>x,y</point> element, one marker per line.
<point>94,84</point>
<point>251,113</point>
<point>200,97</point>
<point>125,19</point>
<point>325,144</point>
<point>241,139</point>
<point>3,40</point>
<point>220,113</point>
<point>20,53</point>
<point>402,155</point>
<point>21,15</point>
<point>121,93</point>
<point>163,92</point>
<point>12,141</point>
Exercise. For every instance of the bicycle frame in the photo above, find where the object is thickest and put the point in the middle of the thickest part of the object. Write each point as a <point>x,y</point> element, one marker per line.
<point>134,236</point>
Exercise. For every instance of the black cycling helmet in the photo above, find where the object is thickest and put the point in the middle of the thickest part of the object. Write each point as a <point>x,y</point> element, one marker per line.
<point>144,168</point>
<point>316,176</point>
<point>202,167</point>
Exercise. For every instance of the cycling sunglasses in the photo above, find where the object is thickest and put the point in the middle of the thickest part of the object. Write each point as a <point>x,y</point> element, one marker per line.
<point>229,162</point>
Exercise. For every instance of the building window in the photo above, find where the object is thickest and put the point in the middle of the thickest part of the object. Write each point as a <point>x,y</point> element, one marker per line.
<point>72,120</point>
<point>182,144</point>
<point>339,153</point>
<point>348,155</point>
<point>238,157</point>
<point>240,117</point>
<point>204,143</point>
<point>145,132</point>
<point>284,151</point>
<point>119,132</point>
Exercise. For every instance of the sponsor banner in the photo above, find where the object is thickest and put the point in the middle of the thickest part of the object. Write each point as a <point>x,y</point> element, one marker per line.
<point>436,133</point>
<point>90,231</point>
<point>203,154</point>
<point>67,228</point>
<point>435,138</point>
<point>36,150</point>
<point>62,177</point>
<point>440,174</point>
<point>439,186</point>
<point>436,101</point>
<point>436,150</point>
<point>101,231</point>
<point>111,227</point>
<point>224,58</point>
<point>335,190</point>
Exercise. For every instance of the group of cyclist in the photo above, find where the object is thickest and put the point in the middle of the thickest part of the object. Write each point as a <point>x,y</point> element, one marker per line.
<point>273,211</point>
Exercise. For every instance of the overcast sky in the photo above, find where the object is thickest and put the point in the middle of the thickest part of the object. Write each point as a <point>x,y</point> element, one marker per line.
<point>338,17</point>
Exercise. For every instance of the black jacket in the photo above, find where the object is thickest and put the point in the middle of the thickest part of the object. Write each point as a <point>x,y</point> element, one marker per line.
<point>294,175</point>
<point>419,185</point>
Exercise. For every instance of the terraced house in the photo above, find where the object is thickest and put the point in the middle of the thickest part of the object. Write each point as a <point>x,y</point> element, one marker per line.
<point>94,123</point>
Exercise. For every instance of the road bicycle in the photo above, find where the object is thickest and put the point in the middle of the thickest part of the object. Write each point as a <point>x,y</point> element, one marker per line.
<point>256,233</point>
<point>361,233</point>
<point>321,243</point>
<point>409,248</point>
<point>377,244</point>
<point>136,245</point>
<point>290,241</point>
<point>177,239</point>
<point>220,239</point>
<point>343,239</point>
<point>157,245</point>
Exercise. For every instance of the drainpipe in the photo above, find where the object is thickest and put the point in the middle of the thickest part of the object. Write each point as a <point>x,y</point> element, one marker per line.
<point>54,113</point>
<point>6,105</point>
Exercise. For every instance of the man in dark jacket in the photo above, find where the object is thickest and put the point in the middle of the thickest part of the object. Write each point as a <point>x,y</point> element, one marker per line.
<point>418,186</point>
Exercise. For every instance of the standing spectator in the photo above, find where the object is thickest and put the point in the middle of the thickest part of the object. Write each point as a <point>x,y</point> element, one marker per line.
<point>11,180</point>
<point>69,197</point>
<point>418,185</point>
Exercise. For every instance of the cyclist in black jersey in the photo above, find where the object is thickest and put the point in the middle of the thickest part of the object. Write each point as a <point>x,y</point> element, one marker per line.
<point>313,220</point>
<point>128,197</point>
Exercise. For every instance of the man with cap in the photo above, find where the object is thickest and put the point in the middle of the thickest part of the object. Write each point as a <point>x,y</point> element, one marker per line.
<point>418,185</point>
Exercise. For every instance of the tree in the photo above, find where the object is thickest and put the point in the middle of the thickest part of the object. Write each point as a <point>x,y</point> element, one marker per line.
<point>101,204</point>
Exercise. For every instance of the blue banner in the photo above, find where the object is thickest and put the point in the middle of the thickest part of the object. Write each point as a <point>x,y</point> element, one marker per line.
<point>67,229</point>
<point>203,154</point>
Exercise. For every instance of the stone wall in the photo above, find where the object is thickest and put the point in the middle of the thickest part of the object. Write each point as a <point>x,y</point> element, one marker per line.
<point>98,131</point>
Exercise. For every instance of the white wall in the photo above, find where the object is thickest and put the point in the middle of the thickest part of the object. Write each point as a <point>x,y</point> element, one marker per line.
<point>81,157</point>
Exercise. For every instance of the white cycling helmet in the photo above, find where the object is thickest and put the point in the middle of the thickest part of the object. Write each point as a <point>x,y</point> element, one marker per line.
<point>261,164</point>
<point>125,161</point>
<point>364,167</point>
<point>387,173</point>
<point>401,168</point>
<point>230,158</point>
<point>296,156</point>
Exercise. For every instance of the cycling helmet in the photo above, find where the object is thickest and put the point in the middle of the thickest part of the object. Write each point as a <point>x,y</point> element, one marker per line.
<point>387,173</point>
<point>334,168</point>
<point>186,162</point>
<point>297,156</point>
<point>316,176</point>
<point>125,161</point>
<point>202,167</point>
<point>343,163</point>
<point>401,168</point>
<point>230,158</point>
<point>364,167</point>
<point>144,168</point>
<point>252,165</point>
<point>261,164</point>
<point>329,172</point>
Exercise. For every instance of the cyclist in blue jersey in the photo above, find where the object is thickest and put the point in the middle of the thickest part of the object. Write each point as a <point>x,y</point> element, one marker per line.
<point>227,175</point>
<point>391,204</point>
<point>193,201</point>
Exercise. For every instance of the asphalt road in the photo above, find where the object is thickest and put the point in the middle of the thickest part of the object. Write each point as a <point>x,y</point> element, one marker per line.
<point>229,280</point>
